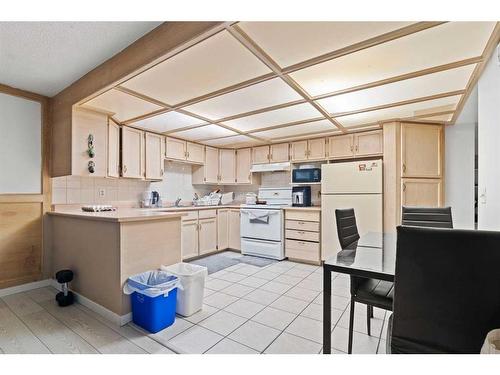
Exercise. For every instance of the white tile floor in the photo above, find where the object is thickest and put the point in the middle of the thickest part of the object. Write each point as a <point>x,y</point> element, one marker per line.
<point>247,309</point>
<point>274,309</point>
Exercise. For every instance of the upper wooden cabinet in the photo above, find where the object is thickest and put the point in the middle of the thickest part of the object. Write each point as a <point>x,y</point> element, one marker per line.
<point>243,165</point>
<point>153,156</point>
<point>356,145</point>
<point>279,153</point>
<point>341,146</point>
<point>113,150</point>
<point>132,152</point>
<point>195,152</point>
<point>421,150</point>
<point>208,173</point>
<point>175,149</point>
<point>312,149</point>
<point>260,155</point>
<point>227,166</point>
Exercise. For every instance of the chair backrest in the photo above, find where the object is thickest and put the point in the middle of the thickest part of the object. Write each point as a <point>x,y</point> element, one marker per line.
<point>347,229</point>
<point>432,217</point>
<point>446,290</point>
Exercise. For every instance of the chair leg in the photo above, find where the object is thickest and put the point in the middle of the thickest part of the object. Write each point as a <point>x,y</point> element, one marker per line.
<point>368,319</point>
<point>351,327</point>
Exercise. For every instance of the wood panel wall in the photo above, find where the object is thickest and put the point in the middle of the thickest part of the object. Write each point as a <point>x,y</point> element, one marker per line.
<point>22,257</point>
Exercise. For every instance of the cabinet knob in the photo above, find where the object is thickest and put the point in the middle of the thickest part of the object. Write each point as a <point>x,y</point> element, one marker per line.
<point>404,187</point>
<point>124,169</point>
<point>404,167</point>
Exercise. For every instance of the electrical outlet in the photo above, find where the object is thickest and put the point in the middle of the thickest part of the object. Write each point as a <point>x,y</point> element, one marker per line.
<point>102,193</point>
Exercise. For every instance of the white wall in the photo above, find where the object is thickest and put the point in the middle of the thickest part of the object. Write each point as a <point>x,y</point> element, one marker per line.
<point>459,168</point>
<point>489,145</point>
<point>20,145</point>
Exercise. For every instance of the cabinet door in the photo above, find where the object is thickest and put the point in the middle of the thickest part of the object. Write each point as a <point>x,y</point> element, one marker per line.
<point>207,235</point>
<point>189,239</point>
<point>243,165</point>
<point>341,147</point>
<point>260,155</point>
<point>369,143</point>
<point>195,153</point>
<point>279,153</point>
<point>299,150</point>
<point>421,192</point>
<point>227,166</point>
<point>316,148</point>
<point>176,149</point>
<point>132,141</point>
<point>211,167</point>
<point>421,150</point>
<point>222,229</point>
<point>234,230</point>
<point>113,150</point>
<point>154,157</point>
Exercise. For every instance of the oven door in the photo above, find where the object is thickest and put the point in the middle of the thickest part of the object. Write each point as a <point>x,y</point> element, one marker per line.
<point>261,224</point>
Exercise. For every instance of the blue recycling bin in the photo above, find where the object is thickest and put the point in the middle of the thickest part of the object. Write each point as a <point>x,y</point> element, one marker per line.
<point>153,299</point>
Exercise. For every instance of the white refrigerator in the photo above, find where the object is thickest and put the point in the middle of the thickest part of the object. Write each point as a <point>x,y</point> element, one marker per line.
<point>355,185</point>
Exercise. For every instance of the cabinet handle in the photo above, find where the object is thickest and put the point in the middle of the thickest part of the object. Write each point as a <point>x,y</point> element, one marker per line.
<point>357,148</point>
<point>352,149</point>
<point>188,154</point>
<point>404,186</point>
<point>404,168</point>
<point>268,156</point>
<point>124,169</point>
<point>161,172</point>
<point>300,223</point>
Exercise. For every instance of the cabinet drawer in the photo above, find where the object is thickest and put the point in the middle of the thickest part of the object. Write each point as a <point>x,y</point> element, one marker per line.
<point>190,215</point>
<point>205,214</point>
<point>302,250</point>
<point>302,235</point>
<point>302,225</point>
<point>303,215</point>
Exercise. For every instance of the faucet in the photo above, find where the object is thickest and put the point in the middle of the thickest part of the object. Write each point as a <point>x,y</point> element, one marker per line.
<point>178,202</point>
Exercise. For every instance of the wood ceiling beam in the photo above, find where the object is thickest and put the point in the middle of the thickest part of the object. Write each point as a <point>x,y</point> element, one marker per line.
<point>488,51</point>
<point>387,37</point>
<point>258,52</point>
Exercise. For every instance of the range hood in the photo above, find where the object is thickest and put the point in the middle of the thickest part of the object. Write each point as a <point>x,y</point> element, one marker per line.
<point>271,167</point>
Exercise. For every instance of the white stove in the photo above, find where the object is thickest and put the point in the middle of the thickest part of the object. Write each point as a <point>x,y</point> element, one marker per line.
<point>262,226</point>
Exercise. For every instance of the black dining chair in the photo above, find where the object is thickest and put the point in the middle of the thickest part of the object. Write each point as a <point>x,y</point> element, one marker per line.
<point>432,217</point>
<point>446,290</point>
<point>371,292</point>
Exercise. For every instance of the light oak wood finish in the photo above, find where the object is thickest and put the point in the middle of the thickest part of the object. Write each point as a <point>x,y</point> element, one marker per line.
<point>243,165</point>
<point>132,152</point>
<point>422,192</point>
<point>154,156</point>
<point>341,147</point>
<point>234,229</point>
<point>260,155</point>
<point>279,153</point>
<point>421,151</point>
<point>189,243</point>
<point>208,173</point>
<point>222,229</point>
<point>207,235</point>
<point>113,150</point>
<point>369,143</point>
<point>175,149</point>
<point>227,166</point>
<point>195,153</point>
<point>303,235</point>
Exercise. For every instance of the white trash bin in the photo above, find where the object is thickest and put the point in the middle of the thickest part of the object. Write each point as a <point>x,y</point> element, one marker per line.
<point>192,279</point>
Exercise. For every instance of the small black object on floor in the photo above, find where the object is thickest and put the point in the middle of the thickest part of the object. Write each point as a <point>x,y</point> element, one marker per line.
<point>66,297</point>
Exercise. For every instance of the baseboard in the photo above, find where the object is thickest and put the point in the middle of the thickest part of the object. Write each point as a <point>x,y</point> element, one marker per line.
<point>24,287</point>
<point>114,318</point>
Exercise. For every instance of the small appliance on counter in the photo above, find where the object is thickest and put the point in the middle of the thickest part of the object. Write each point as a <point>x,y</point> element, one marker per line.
<point>306,175</point>
<point>301,196</point>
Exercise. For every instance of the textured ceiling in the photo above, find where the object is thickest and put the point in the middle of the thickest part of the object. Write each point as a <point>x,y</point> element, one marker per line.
<point>46,57</point>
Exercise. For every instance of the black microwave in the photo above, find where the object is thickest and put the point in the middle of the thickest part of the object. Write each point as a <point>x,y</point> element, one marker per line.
<point>306,175</point>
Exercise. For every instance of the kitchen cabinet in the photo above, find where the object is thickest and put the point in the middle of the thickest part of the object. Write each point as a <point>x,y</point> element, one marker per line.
<point>312,149</point>
<point>234,240</point>
<point>132,152</point>
<point>279,153</point>
<point>207,235</point>
<point>368,143</point>
<point>195,152</point>
<point>175,149</point>
<point>421,150</point>
<point>260,155</point>
<point>153,156</point>
<point>211,166</point>
<point>189,238</point>
<point>243,166</point>
<point>227,166</point>
<point>222,229</point>
<point>421,192</point>
<point>302,235</point>
<point>113,150</point>
<point>341,146</point>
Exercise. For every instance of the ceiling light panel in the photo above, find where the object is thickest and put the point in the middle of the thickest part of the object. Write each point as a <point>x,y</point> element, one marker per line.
<point>297,130</point>
<point>438,45</point>
<point>418,87</point>
<point>261,95</point>
<point>280,116</point>
<point>217,62</point>
<point>289,43</point>
<point>167,121</point>
<point>404,111</point>
<point>204,132</point>
<point>124,106</point>
<point>233,142</point>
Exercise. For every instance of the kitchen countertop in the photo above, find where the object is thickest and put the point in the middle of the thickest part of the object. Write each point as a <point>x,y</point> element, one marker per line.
<point>312,208</point>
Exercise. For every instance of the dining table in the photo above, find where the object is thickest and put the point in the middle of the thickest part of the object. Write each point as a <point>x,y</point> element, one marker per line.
<point>372,256</point>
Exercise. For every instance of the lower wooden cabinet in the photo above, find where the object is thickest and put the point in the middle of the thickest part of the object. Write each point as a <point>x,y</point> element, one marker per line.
<point>198,233</point>
<point>207,235</point>
<point>427,192</point>
<point>234,240</point>
<point>189,238</point>
<point>222,229</point>
<point>302,235</point>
